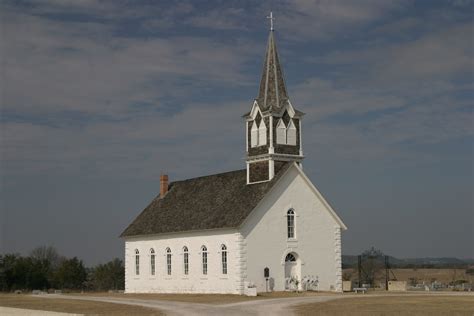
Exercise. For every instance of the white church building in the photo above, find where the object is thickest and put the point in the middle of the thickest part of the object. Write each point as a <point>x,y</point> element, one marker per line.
<point>266,226</point>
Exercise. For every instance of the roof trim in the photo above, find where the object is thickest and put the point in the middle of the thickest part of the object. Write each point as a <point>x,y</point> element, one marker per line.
<point>244,222</point>
<point>313,188</point>
<point>222,229</point>
<point>320,196</point>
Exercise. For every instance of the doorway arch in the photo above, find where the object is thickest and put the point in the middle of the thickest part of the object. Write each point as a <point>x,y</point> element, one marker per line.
<point>292,270</point>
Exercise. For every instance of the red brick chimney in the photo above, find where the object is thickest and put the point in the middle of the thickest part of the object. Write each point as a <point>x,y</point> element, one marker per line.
<point>163,184</point>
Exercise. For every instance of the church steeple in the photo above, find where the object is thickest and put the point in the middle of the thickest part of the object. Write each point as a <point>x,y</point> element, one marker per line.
<point>272,95</point>
<point>273,125</point>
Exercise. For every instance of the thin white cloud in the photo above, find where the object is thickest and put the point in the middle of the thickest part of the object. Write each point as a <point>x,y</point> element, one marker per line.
<point>83,67</point>
<point>304,20</point>
<point>220,19</point>
<point>445,53</point>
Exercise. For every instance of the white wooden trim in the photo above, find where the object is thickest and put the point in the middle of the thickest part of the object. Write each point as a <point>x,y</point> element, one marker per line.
<point>312,187</point>
<point>320,196</point>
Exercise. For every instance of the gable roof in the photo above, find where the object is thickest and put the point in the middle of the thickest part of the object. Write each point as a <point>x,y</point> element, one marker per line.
<point>211,202</point>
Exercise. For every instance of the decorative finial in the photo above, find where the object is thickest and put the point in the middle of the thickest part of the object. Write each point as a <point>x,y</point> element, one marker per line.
<point>271,20</point>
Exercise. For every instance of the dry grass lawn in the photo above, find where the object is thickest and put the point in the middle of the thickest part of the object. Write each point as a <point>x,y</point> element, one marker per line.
<point>74,306</point>
<point>422,275</point>
<point>204,298</point>
<point>392,305</point>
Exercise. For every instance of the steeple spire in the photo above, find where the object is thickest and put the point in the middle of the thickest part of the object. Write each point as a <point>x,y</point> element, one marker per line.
<point>272,94</point>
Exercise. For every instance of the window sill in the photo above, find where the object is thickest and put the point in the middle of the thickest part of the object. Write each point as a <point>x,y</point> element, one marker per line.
<point>203,278</point>
<point>292,240</point>
<point>223,278</point>
<point>184,278</point>
<point>168,278</point>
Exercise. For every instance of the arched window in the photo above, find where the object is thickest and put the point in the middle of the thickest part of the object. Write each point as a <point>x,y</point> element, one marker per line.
<point>204,260</point>
<point>186,260</point>
<point>152,261</point>
<point>290,215</point>
<point>137,262</point>
<point>168,261</point>
<point>224,259</point>
<point>254,135</point>
<point>291,134</point>
<point>281,132</point>
<point>290,258</point>
<point>262,134</point>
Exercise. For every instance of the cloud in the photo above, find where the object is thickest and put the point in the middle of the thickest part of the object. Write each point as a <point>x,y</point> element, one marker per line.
<point>445,53</point>
<point>321,98</point>
<point>140,147</point>
<point>84,67</point>
<point>391,98</point>
<point>303,20</point>
<point>120,86</point>
<point>220,19</point>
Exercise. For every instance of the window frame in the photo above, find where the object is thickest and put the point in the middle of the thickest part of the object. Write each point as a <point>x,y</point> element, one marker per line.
<point>185,260</point>
<point>152,262</point>
<point>291,224</point>
<point>204,261</point>
<point>224,265</point>
<point>168,261</point>
<point>137,262</point>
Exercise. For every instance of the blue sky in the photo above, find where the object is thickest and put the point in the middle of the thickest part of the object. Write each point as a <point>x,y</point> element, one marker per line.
<point>99,97</point>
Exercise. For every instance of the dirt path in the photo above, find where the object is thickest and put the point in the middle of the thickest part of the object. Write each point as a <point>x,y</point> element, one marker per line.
<point>265,307</point>
<point>277,306</point>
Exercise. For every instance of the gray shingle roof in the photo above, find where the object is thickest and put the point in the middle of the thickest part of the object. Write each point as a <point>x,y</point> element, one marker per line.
<point>272,94</point>
<point>216,201</point>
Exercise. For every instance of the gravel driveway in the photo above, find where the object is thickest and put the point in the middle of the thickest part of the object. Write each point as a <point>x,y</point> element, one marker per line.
<point>277,306</point>
<point>266,307</point>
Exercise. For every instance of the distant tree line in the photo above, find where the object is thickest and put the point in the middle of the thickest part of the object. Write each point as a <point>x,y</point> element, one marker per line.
<point>44,269</point>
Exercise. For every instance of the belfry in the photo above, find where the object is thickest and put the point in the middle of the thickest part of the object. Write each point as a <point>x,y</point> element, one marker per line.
<point>273,126</point>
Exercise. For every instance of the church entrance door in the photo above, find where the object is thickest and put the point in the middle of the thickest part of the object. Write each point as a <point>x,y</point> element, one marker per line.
<point>291,270</point>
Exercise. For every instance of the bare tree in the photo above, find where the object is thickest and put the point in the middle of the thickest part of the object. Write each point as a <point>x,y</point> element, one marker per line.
<point>47,254</point>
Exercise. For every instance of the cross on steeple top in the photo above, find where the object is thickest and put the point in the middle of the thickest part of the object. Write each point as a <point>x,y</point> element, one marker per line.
<point>271,18</point>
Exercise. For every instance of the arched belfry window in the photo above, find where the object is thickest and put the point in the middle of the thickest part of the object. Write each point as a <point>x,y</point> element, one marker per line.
<point>224,259</point>
<point>168,261</point>
<point>262,134</point>
<point>281,132</point>
<point>291,134</point>
<point>254,135</point>
<point>152,261</point>
<point>186,260</point>
<point>204,259</point>
<point>137,262</point>
<point>290,216</point>
<point>258,134</point>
